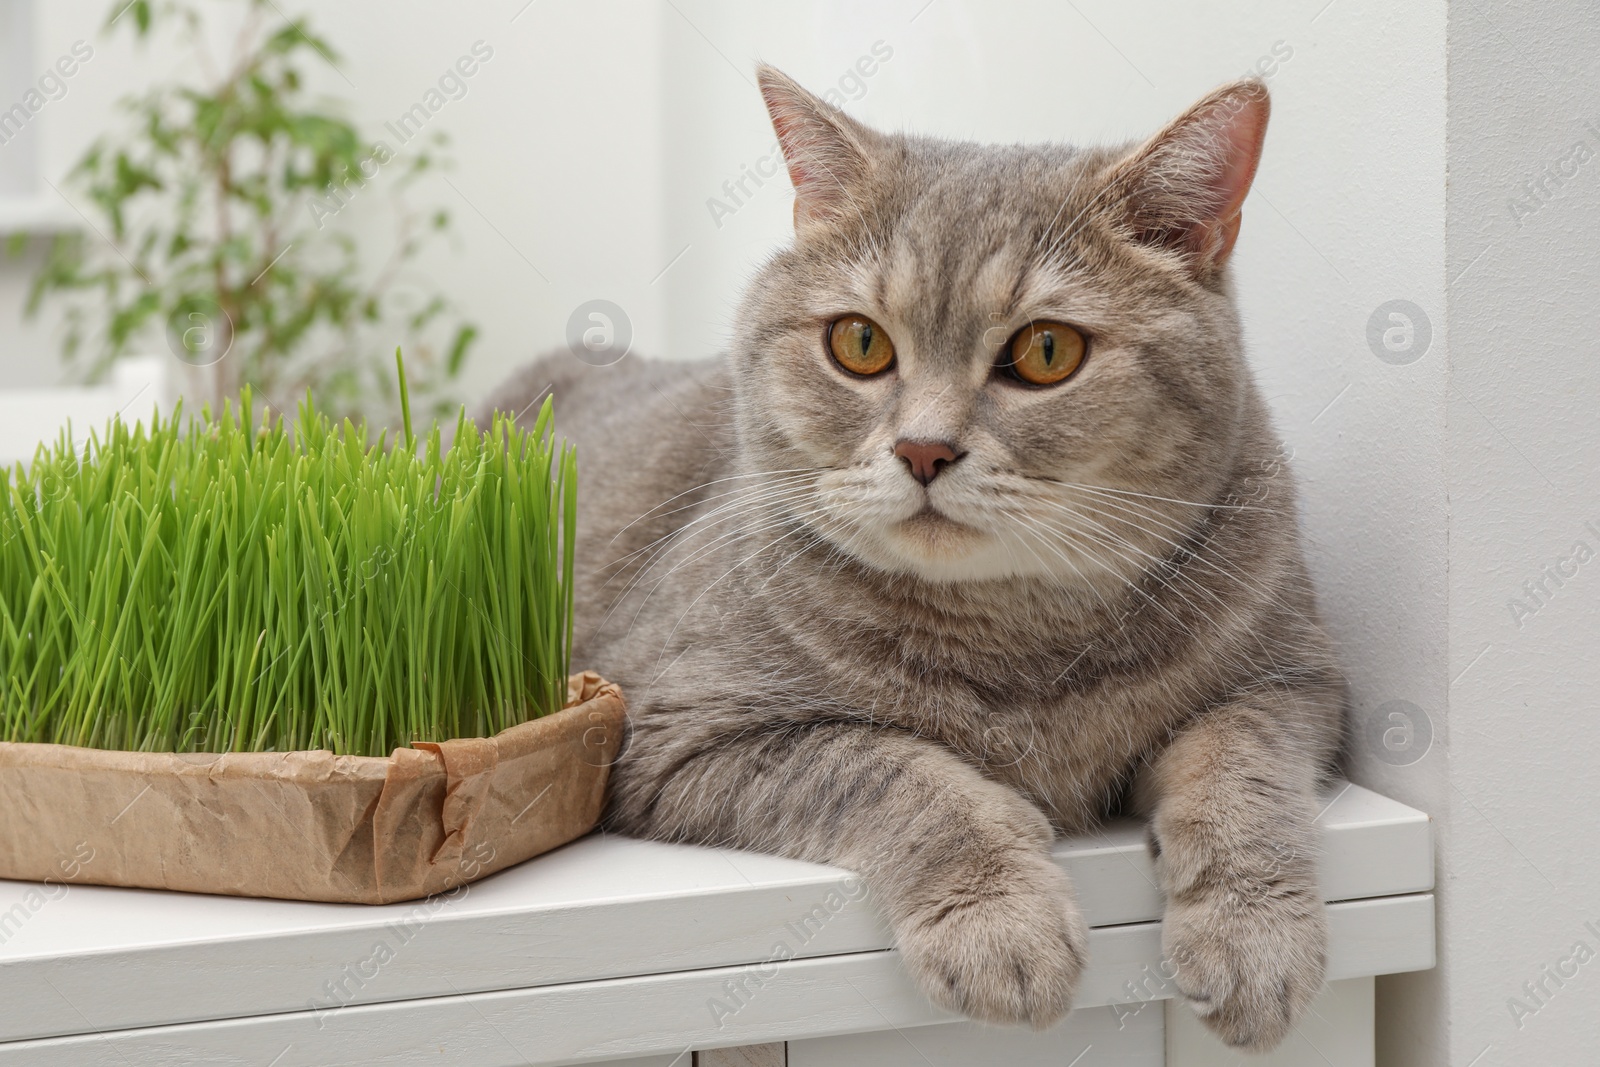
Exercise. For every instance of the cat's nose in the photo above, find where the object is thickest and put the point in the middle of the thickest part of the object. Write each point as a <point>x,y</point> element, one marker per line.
<point>926,458</point>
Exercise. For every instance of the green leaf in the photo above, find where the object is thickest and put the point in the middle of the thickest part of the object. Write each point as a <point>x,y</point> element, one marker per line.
<point>465,335</point>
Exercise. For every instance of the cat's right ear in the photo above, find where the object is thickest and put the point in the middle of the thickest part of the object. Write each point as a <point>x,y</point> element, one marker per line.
<point>826,151</point>
<point>1183,189</point>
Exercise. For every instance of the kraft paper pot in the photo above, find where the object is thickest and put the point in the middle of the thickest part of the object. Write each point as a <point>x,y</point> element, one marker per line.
<point>311,825</point>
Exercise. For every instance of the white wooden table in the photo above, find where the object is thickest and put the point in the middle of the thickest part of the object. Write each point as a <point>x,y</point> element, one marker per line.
<point>646,954</point>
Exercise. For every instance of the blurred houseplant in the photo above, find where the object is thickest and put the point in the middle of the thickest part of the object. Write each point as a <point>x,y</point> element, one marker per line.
<point>216,199</point>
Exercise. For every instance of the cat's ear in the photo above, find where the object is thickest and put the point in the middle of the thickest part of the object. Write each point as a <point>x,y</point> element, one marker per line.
<point>1183,189</point>
<point>827,152</point>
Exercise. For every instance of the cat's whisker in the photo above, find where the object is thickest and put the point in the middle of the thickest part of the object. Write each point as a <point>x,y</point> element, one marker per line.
<point>1027,523</point>
<point>818,539</point>
<point>1193,549</point>
<point>772,514</point>
<point>1172,574</point>
<point>1134,510</point>
<point>756,496</point>
<point>1026,543</point>
<point>657,513</point>
<point>777,505</point>
<point>767,508</point>
<point>741,498</point>
<point>679,540</point>
<point>798,528</point>
<point>1130,582</point>
<point>1151,496</point>
<point>675,541</point>
<point>785,483</point>
<point>1154,564</point>
<point>1040,522</point>
<point>1090,513</point>
<point>1129,510</point>
<point>1057,240</point>
<point>1051,535</point>
<point>1051,543</point>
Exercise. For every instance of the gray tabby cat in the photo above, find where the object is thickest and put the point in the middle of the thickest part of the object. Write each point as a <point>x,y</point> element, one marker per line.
<point>979,533</point>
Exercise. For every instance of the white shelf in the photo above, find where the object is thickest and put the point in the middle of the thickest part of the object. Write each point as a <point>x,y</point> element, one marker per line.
<point>134,387</point>
<point>561,947</point>
<point>38,214</point>
<point>669,1013</point>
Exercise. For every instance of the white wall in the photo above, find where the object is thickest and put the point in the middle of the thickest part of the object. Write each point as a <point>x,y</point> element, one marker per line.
<point>557,157</point>
<point>1523,279</point>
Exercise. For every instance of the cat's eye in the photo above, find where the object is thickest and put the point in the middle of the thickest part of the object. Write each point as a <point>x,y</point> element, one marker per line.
<point>860,345</point>
<point>1044,353</point>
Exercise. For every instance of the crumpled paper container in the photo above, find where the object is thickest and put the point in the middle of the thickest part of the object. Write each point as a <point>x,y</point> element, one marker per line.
<point>312,825</point>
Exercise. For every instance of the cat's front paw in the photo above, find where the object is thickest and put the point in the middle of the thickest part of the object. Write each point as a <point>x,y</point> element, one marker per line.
<point>1248,962</point>
<point>1000,946</point>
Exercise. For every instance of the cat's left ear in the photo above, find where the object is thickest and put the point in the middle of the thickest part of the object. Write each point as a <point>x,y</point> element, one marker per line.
<point>1183,189</point>
<point>828,153</point>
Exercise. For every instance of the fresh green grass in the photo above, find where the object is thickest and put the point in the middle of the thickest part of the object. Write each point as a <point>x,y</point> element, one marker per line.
<point>232,586</point>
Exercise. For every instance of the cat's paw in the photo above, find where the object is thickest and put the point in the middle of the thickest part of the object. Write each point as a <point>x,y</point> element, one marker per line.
<point>1247,963</point>
<point>1005,946</point>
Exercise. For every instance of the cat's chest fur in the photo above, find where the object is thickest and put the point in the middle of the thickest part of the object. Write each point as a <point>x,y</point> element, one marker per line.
<point>1025,681</point>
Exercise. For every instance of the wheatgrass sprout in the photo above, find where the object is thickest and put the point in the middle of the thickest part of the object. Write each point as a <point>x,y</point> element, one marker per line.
<point>227,586</point>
